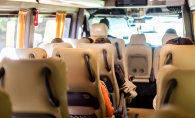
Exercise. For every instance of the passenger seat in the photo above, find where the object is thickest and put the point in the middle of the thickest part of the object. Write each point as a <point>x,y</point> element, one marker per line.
<point>23,53</point>
<point>5,105</point>
<point>49,47</point>
<point>37,87</point>
<point>139,58</point>
<point>156,56</point>
<point>75,42</point>
<point>84,93</point>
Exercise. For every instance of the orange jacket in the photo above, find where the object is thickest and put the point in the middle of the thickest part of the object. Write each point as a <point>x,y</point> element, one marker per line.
<point>107,101</point>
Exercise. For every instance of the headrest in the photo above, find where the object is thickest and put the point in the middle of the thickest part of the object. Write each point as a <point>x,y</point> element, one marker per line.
<point>73,42</point>
<point>167,37</point>
<point>49,47</point>
<point>99,29</point>
<point>182,55</point>
<point>25,53</point>
<point>138,39</point>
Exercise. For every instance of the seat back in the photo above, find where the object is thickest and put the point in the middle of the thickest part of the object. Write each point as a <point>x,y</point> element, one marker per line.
<point>156,56</point>
<point>84,93</point>
<point>49,47</point>
<point>174,87</point>
<point>107,73</point>
<point>5,106</point>
<point>182,55</point>
<point>98,30</point>
<point>23,53</point>
<point>139,58</point>
<point>75,42</point>
<point>27,81</point>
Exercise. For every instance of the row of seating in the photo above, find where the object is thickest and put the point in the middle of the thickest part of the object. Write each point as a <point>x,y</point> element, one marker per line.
<point>78,85</point>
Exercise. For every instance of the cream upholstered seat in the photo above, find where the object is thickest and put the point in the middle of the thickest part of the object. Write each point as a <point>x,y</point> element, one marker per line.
<point>84,92</point>
<point>75,42</point>
<point>175,87</point>
<point>181,55</point>
<point>37,87</point>
<point>119,58</point>
<point>23,53</point>
<point>107,73</point>
<point>98,30</point>
<point>5,105</point>
<point>49,47</point>
<point>138,58</point>
<point>156,56</point>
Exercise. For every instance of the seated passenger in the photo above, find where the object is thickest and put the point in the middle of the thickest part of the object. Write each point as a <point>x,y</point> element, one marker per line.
<point>123,85</point>
<point>176,41</point>
<point>171,31</point>
<point>57,40</point>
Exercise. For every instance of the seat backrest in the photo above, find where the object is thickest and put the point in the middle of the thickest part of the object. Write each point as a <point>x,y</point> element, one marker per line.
<point>5,106</point>
<point>156,56</point>
<point>23,53</point>
<point>174,87</point>
<point>49,47</point>
<point>139,58</point>
<point>182,55</point>
<point>107,73</point>
<point>75,42</point>
<point>27,81</point>
<point>81,86</point>
<point>98,30</point>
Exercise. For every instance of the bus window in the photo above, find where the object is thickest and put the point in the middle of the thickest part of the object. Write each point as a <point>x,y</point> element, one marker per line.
<point>8,31</point>
<point>46,29</point>
<point>154,28</point>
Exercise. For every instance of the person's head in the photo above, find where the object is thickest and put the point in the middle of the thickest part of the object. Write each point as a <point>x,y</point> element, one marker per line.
<point>57,40</point>
<point>102,40</point>
<point>171,31</point>
<point>105,21</point>
<point>180,41</point>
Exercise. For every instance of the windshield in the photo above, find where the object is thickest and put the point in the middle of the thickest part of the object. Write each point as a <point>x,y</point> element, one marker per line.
<point>153,27</point>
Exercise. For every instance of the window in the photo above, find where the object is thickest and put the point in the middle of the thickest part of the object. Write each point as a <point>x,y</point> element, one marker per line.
<point>8,31</point>
<point>153,27</point>
<point>45,31</point>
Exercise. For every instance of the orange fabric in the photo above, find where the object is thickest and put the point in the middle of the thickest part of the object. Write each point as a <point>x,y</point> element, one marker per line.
<point>60,21</point>
<point>21,28</point>
<point>107,101</point>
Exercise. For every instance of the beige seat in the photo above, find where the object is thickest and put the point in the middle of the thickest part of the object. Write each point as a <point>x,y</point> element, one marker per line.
<point>75,42</point>
<point>19,53</point>
<point>98,30</point>
<point>119,58</point>
<point>5,106</point>
<point>84,92</point>
<point>175,87</point>
<point>156,56</point>
<point>29,83</point>
<point>182,55</point>
<point>107,73</point>
<point>138,58</point>
<point>49,47</point>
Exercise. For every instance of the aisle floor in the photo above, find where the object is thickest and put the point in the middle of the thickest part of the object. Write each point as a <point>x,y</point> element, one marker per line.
<point>143,113</point>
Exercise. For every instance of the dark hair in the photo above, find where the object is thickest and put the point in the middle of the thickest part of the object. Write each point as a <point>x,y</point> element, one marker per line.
<point>105,21</point>
<point>57,40</point>
<point>102,40</point>
<point>180,41</point>
<point>171,31</point>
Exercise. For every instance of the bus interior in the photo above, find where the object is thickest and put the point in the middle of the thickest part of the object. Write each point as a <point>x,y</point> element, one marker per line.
<point>52,65</point>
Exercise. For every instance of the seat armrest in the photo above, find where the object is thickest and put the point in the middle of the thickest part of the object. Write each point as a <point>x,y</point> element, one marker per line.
<point>119,112</point>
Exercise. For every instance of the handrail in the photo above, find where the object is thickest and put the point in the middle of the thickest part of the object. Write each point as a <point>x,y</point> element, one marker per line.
<point>171,85</point>
<point>32,56</point>
<point>46,74</point>
<point>106,61</point>
<point>2,72</point>
<point>169,58</point>
<point>118,52</point>
<point>91,77</point>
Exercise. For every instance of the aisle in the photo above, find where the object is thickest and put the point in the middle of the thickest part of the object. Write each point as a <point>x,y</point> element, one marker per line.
<point>143,113</point>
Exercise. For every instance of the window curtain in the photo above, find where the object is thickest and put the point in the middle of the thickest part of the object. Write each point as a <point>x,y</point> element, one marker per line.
<point>194,21</point>
<point>60,21</point>
<point>21,28</point>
